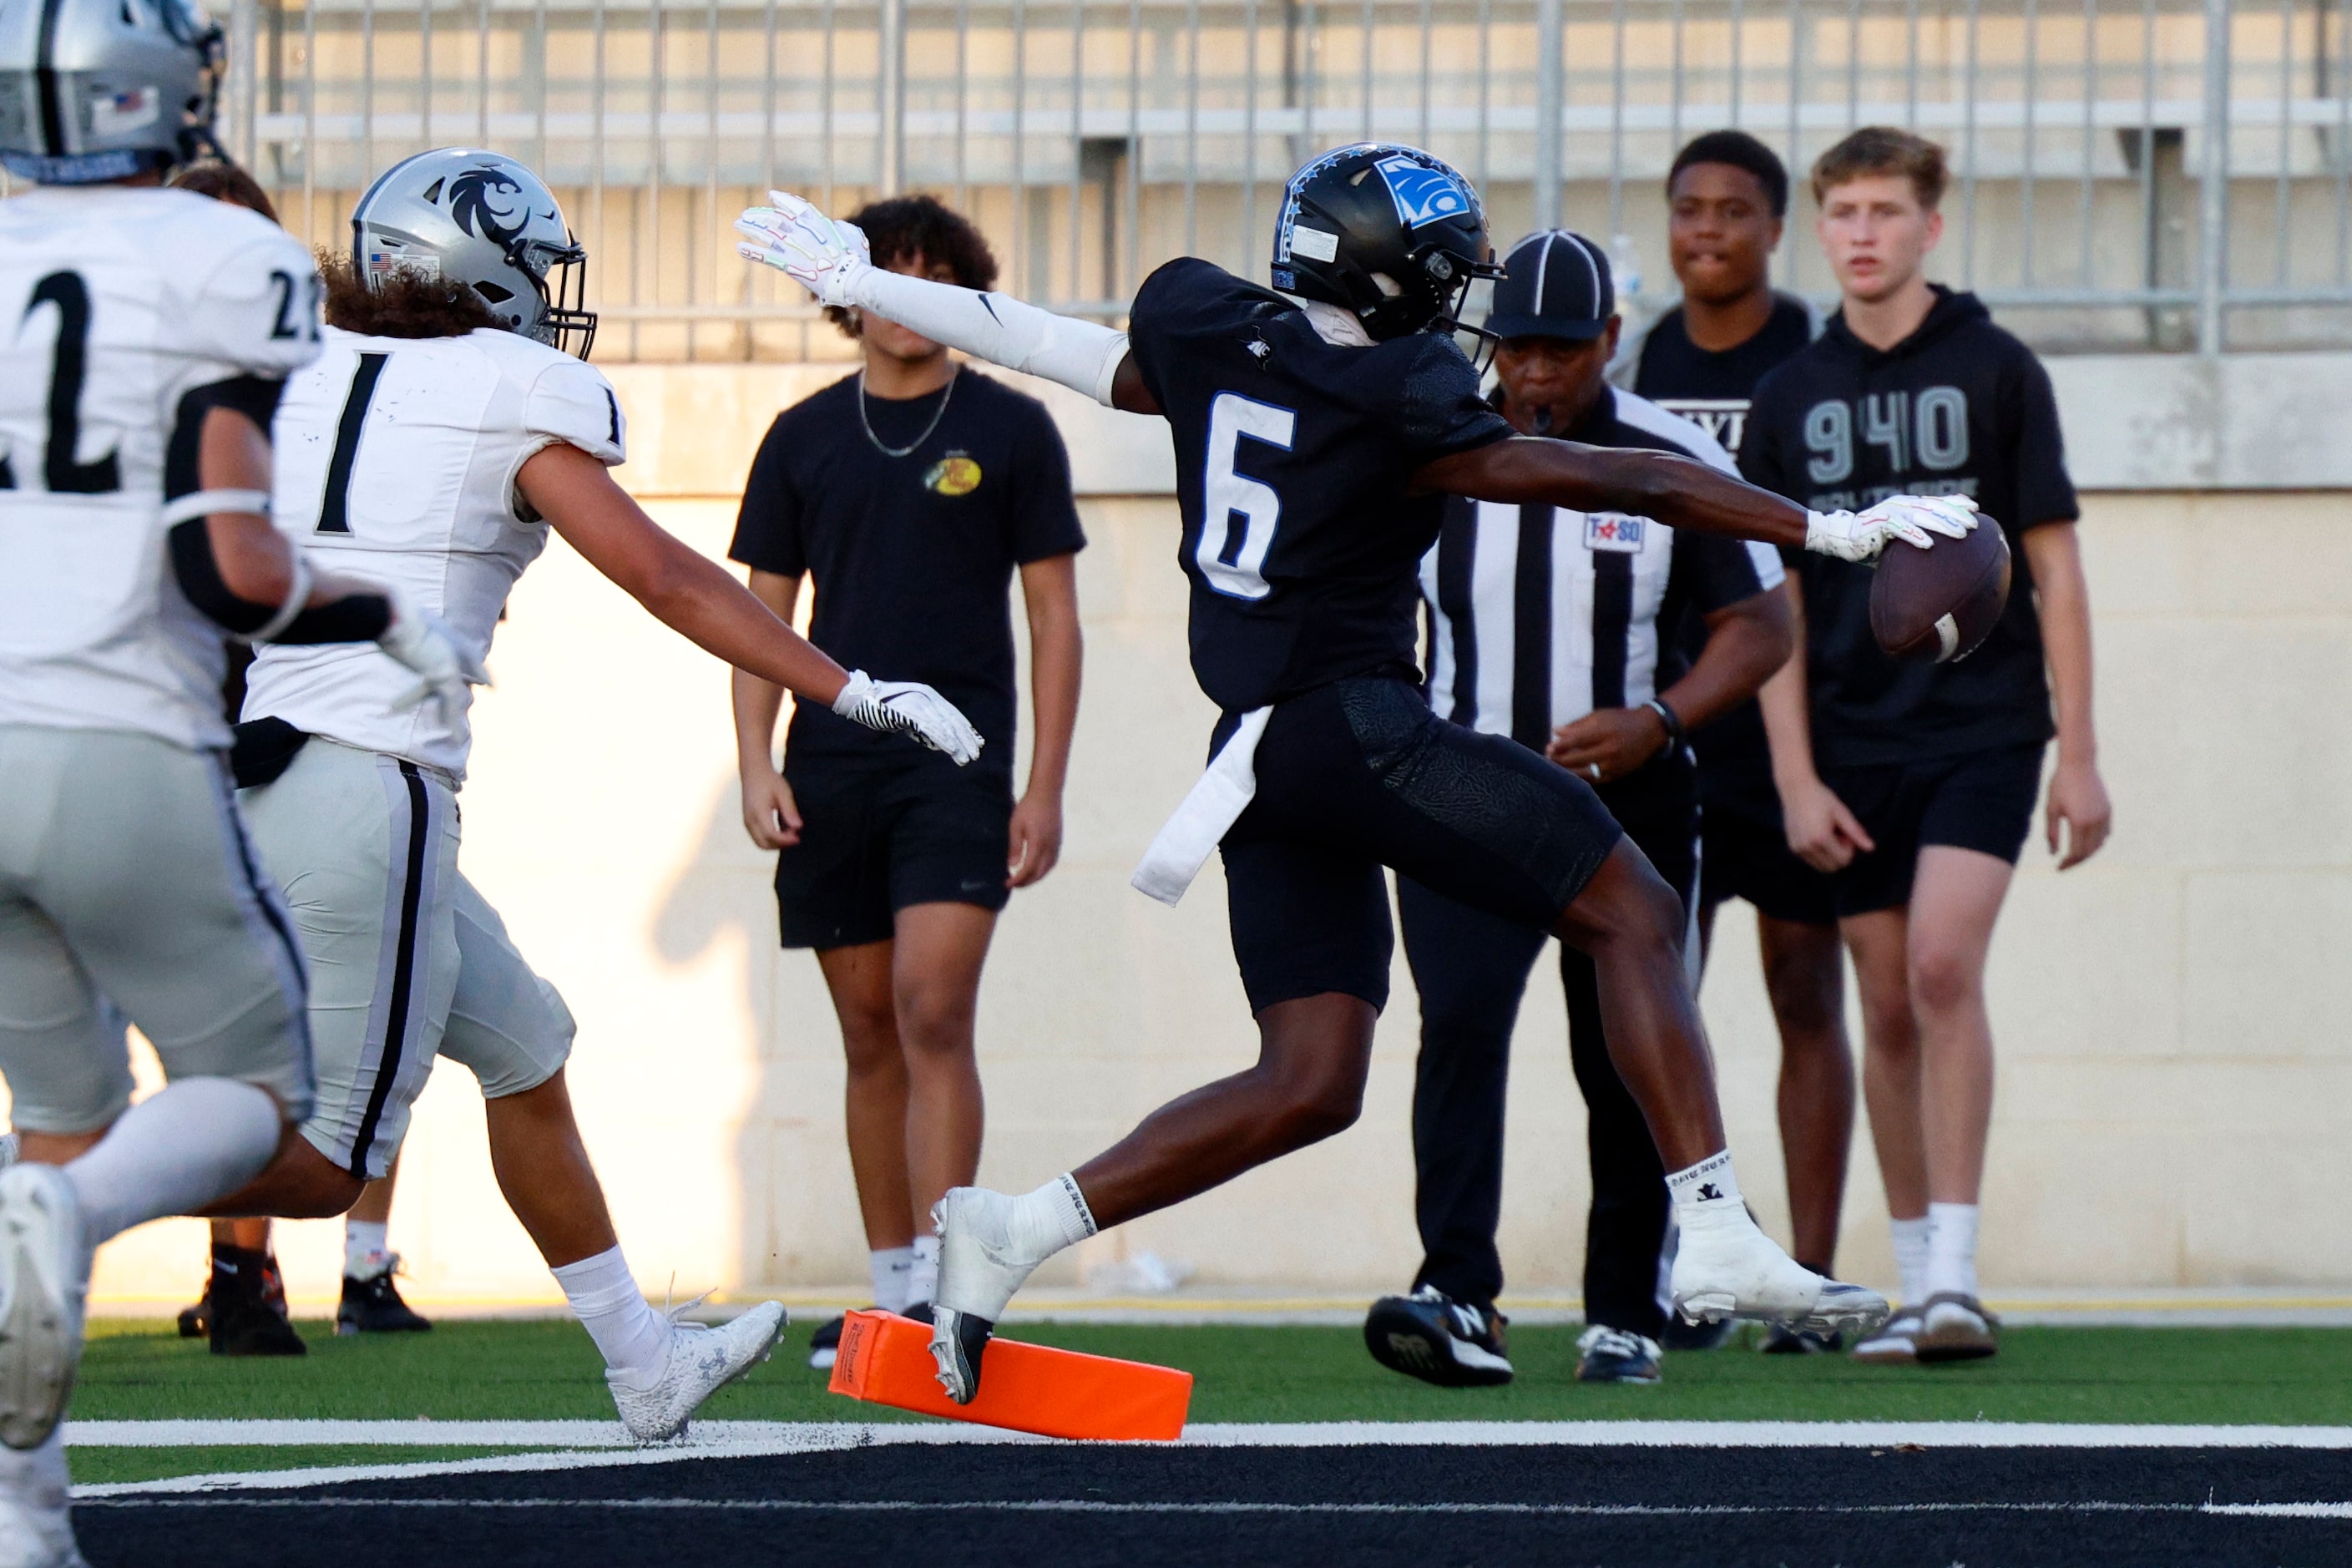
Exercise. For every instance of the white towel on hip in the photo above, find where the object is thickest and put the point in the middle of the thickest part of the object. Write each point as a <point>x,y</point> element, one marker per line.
<point>1212,806</point>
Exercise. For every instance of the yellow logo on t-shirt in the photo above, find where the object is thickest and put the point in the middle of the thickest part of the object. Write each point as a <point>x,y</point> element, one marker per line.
<point>953,475</point>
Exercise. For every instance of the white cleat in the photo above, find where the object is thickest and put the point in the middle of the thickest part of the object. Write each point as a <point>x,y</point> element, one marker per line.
<point>36,1529</point>
<point>43,1274</point>
<point>1728,1269</point>
<point>701,1361</point>
<point>983,1259</point>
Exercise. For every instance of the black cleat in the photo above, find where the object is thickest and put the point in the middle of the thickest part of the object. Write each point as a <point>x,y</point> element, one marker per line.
<point>242,1315</point>
<point>195,1322</point>
<point>374,1307</point>
<point>1432,1336</point>
<point>824,1345</point>
<point>1801,1342</point>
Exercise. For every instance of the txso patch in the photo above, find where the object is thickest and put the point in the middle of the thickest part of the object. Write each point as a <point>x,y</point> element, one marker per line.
<point>1613,531</point>
<point>1423,195</point>
<point>953,475</point>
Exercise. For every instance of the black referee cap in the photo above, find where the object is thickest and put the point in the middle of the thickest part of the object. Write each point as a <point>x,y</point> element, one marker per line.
<point>1555,284</point>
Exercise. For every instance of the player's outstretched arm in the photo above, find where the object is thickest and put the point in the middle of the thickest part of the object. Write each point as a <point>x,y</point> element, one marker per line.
<point>830,260</point>
<point>694,596</point>
<point>1682,492</point>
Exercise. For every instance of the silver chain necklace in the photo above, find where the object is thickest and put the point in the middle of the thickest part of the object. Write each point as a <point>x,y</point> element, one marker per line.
<point>867,425</point>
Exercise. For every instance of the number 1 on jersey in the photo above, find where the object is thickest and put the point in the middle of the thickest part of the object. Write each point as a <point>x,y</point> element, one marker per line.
<point>1230,554</point>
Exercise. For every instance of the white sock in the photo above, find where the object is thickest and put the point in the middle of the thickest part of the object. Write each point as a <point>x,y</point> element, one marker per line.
<point>175,1151</point>
<point>922,1271</point>
<point>632,1338</point>
<point>1911,1256</point>
<point>889,1267</point>
<point>1051,1218</point>
<point>365,1254</point>
<point>1706,1192</point>
<point>1951,1250</point>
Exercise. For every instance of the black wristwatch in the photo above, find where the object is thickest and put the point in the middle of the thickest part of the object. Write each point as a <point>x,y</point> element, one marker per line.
<point>1669,718</point>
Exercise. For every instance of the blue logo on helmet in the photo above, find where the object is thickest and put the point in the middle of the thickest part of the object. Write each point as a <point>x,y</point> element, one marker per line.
<point>1423,195</point>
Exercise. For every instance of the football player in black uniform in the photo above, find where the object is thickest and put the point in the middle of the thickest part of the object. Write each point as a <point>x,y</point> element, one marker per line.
<point>1317,427</point>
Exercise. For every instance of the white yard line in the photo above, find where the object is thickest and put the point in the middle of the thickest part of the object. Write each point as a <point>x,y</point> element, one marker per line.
<point>1247,1434</point>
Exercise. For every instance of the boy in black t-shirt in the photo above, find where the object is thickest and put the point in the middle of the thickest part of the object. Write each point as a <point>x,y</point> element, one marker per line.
<point>1727,195</point>
<point>1927,772</point>
<point>910,493</point>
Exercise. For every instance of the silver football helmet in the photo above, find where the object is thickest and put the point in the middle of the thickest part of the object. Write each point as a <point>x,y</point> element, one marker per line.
<point>103,89</point>
<point>486,221</point>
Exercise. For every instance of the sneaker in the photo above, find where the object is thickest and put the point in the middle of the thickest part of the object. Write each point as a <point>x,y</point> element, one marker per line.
<point>1895,1344</point>
<point>1801,1342</point>
<point>1681,1336</point>
<point>1956,1326</point>
<point>1432,1336</point>
<point>44,1274</point>
<point>1726,1267</point>
<point>702,1360</point>
<point>1612,1355</point>
<point>239,1315</point>
<point>824,1345</point>
<point>373,1305</point>
<point>981,1263</point>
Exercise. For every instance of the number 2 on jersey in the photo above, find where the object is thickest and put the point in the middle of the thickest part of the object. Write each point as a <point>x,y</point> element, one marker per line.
<point>61,474</point>
<point>1239,514</point>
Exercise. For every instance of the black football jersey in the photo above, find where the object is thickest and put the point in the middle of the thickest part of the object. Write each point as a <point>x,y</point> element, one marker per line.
<point>1293,461</point>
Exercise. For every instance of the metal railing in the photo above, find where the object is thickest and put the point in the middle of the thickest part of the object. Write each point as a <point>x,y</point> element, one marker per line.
<point>2164,173</point>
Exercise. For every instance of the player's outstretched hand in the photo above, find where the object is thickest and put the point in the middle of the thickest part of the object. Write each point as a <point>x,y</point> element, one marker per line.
<point>421,643</point>
<point>1915,519</point>
<point>823,256</point>
<point>911,709</point>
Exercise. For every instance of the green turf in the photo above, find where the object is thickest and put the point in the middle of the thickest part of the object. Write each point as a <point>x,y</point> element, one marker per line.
<point>542,1370</point>
<point>95,1465</point>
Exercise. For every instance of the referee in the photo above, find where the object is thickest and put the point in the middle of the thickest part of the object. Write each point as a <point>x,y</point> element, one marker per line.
<point>910,493</point>
<point>1545,625</point>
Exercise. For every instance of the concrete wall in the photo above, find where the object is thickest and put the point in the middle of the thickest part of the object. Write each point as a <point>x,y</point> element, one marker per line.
<point>2172,1061</point>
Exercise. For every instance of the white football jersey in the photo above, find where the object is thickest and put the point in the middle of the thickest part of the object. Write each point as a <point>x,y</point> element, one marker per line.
<point>396,462</point>
<point>115,302</point>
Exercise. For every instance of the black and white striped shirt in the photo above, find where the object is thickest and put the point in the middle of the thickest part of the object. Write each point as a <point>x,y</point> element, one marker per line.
<point>1538,616</point>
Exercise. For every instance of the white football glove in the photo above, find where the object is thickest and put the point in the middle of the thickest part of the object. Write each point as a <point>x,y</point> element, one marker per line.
<point>421,643</point>
<point>821,255</point>
<point>1915,519</point>
<point>911,709</point>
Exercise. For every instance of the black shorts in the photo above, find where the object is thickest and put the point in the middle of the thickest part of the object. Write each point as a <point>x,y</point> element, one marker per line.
<point>1983,801</point>
<point>877,839</point>
<point>1745,854</point>
<point>1361,775</point>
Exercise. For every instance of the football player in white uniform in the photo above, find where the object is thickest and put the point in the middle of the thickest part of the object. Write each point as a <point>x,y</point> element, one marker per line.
<point>148,334</point>
<point>440,437</point>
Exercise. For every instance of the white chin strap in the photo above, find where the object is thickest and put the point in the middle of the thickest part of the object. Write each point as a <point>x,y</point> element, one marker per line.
<point>1081,355</point>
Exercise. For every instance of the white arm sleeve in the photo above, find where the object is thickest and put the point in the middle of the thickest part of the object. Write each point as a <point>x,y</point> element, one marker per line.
<point>1081,355</point>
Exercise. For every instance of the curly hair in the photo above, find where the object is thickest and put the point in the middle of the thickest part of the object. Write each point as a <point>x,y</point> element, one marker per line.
<point>226,183</point>
<point>927,231</point>
<point>404,304</point>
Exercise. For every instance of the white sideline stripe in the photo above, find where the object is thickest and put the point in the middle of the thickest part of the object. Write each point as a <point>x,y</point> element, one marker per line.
<point>795,1435</point>
<point>765,1439</point>
<point>1044,1505</point>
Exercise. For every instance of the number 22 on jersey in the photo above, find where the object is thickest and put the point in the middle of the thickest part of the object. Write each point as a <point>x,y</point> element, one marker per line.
<point>1239,514</point>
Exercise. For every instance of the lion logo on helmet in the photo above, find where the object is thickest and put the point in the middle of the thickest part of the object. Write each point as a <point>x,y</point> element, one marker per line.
<point>490,203</point>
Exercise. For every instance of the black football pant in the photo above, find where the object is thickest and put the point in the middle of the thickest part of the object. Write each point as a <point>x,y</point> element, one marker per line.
<point>1471,969</point>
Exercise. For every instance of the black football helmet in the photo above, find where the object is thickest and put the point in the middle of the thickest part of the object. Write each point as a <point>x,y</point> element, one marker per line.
<point>1389,233</point>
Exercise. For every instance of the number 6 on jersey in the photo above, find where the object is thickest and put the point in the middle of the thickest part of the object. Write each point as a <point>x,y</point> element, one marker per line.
<point>1232,560</point>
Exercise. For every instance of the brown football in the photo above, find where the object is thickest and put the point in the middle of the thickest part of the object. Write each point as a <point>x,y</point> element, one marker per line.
<point>1941,601</point>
